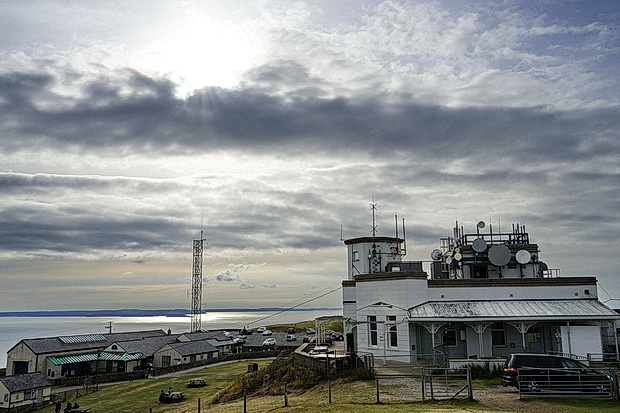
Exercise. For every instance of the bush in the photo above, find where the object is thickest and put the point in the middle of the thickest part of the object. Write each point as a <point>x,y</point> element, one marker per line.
<point>484,372</point>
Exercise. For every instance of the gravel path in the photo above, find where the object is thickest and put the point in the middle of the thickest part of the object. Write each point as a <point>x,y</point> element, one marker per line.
<point>497,397</point>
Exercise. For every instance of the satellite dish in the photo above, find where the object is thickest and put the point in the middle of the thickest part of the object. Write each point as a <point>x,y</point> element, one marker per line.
<point>481,224</point>
<point>458,256</point>
<point>499,255</point>
<point>448,253</point>
<point>436,254</point>
<point>523,256</point>
<point>479,245</point>
<point>449,260</point>
<point>542,266</point>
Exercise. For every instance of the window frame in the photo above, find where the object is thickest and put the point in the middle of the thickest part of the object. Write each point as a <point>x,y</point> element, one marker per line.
<point>496,328</point>
<point>373,332</point>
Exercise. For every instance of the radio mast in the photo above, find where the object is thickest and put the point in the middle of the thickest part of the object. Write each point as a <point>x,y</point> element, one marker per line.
<point>197,285</point>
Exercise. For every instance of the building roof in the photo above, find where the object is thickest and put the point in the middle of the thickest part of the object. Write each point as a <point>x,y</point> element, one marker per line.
<point>148,345</point>
<point>204,335</point>
<point>512,310</point>
<point>84,342</point>
<point>360,240</point>
<point>190,348</point>
<point>28,381</point>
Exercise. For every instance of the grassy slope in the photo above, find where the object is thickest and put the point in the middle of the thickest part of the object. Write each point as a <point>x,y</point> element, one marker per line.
<point>140,396</point>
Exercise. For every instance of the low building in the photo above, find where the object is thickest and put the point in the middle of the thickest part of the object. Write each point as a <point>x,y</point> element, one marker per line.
<point>184,352</point>
<point>89,354</point>
<point>488,294</point>
<point>24,390</point>
<point>217,339</point>
<point>60,356</point>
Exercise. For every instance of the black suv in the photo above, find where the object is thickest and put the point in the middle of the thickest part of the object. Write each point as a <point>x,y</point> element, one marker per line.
<point>546,371</point>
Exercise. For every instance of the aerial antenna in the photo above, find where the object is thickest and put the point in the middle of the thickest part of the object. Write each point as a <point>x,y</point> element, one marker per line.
<point>373,207</point>
<point>197,285</point>
<point>396,223</point>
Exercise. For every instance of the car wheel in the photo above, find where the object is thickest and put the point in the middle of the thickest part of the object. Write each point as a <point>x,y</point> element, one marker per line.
<point>601,388</point>
<point>533,387</point>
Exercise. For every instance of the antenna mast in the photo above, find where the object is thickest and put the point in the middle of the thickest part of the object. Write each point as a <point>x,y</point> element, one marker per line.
<point>197,285</point>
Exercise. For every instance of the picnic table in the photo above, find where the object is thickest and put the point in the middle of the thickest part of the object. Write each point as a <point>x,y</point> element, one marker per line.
<point>175,396</point>
<point>196,383</point>
<point>79,410</point>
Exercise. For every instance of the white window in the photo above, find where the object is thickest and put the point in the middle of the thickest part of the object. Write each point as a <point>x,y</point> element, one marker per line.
<point>372,331</point>
<point>356,255</point>
<point>392,331</point>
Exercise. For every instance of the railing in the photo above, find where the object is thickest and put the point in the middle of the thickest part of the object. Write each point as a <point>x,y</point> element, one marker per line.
<point>536,382</point>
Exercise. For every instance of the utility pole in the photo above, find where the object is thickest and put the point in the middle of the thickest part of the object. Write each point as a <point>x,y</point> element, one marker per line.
<point>109,327</point>
<point>197,285</point>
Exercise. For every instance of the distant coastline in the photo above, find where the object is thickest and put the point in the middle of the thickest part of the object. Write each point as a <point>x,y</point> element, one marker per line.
<point>134,312</point>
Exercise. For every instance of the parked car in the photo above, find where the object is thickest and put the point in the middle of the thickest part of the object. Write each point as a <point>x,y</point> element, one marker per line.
<point>310,331</point>
<point>291,337</point>
<point>291,330</point>
<point>336,336</point>
<point>549,372</point>
<point>261,329</point>
<point>269,342</point>
<point>267,332</point>
<point>238,340</point>
<point>308,339</point>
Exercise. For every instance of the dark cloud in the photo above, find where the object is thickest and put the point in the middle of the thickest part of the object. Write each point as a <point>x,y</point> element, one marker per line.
<point>142,114</point>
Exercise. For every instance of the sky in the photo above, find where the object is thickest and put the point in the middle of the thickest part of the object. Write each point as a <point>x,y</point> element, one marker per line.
<point>128,127</point>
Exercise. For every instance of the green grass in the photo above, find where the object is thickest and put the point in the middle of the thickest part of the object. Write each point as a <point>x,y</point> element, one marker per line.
<point>348,396</point>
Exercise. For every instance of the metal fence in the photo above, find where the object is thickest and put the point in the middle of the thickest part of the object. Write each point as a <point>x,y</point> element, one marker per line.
<point>429,384</point>
<point>537,382</point>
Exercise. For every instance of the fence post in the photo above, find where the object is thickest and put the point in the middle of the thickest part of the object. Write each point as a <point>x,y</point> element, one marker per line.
<point>329,390</point>
<point>150,410</point>
<point>245,401</point>
<point>377,385</point>
<point>199,405</point>
<point>285,396</point>
<point>471,391</point>
<point>423,385</point>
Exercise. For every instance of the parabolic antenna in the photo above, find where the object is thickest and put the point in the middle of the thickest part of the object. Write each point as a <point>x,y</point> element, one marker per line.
<point>499,255</point>
<point>449,260</point>
<point>436,254</point>
<point>523,256</point>
<point>542,266</point>
<point>479,245</point>
<point>481,224</point>
<point>458,256</point>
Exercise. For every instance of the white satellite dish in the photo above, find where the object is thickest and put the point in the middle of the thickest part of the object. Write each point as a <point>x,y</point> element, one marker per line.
<point>479,245</point>
<point>458,256</point>
<point>523,256</point>
<point>449,260</point>
<point>436,254</point>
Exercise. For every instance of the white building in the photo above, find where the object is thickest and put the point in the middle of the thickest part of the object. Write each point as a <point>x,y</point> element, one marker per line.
<point>487,295</point>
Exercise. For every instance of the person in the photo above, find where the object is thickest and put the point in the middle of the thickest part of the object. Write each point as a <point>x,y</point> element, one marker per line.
<point>58,407</point>
<point>69,406</point>
<point>76,405</point>
<point>170,391</point>
<point>162,396</point>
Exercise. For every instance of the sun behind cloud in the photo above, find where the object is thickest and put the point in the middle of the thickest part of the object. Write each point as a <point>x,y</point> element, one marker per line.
<point>204,51</point>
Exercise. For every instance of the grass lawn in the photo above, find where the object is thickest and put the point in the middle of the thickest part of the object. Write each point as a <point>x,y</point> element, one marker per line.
<point>355,396</point>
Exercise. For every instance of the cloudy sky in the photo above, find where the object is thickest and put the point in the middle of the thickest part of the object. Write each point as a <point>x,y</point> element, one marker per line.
<point>126,127</point>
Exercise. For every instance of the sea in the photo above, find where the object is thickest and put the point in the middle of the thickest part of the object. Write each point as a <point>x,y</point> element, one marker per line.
<point>14,329</point>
